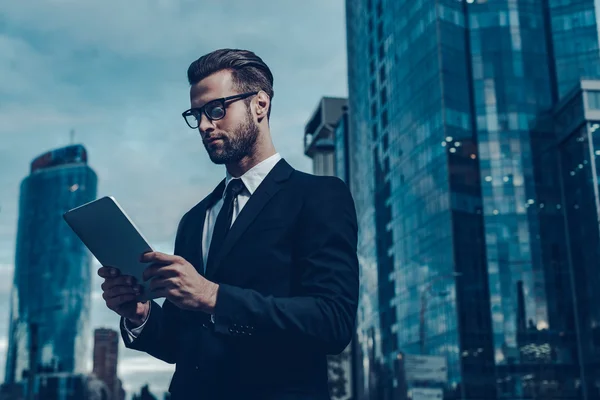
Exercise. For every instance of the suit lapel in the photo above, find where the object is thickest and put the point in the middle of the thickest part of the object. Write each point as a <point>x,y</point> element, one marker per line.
<point>198,227</point>
<point>265,191</point>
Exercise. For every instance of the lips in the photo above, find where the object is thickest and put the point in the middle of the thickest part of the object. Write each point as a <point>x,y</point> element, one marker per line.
<point>211,140</point>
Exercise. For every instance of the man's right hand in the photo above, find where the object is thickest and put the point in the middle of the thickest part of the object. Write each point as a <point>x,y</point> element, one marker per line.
<point>120,293</point>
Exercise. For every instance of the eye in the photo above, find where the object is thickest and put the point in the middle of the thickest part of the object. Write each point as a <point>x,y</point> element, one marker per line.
<point>215,110</point>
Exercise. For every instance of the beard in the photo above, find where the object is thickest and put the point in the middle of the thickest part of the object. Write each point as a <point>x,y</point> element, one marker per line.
<point>237,144</point>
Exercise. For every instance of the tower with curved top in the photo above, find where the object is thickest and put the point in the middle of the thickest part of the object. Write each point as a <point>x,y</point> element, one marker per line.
<point>51,295</point>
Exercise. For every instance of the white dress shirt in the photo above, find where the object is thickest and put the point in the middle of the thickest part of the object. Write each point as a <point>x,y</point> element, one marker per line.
<point>252,179</point>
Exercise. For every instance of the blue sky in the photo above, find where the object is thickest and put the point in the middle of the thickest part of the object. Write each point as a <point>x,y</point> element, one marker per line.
<point>115,72</point>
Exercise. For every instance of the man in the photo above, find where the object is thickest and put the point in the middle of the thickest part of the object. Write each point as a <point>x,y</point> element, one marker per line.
<point>264,280</point>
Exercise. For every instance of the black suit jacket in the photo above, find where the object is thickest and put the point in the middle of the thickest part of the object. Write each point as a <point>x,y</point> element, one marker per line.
<point>288,294</point>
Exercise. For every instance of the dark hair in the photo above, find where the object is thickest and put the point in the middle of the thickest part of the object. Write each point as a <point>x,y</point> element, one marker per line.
<point>248,71</point>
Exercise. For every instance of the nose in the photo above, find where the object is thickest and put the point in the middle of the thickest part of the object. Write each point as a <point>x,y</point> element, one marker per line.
<point>205,125</point>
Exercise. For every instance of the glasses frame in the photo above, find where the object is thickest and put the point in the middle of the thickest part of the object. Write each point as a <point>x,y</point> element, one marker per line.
<point>223,101</point>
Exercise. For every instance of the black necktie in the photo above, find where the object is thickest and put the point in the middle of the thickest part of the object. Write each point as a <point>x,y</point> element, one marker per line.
<point>223,223</point>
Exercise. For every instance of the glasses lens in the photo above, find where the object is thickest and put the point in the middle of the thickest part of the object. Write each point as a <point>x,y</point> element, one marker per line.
<point>215,110</point>
<point>192,120</point>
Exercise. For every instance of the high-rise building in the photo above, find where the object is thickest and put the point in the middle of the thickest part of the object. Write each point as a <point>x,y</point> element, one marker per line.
<point>319,131</point>
<point>568,208</point>
<point>415,175</point>
<point>464,264</point>
<point>325,142</point>
<point>50,299</point>
<point>106,355</point>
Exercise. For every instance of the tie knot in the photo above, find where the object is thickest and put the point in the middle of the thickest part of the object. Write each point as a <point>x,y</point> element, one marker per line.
<point>235,187</point>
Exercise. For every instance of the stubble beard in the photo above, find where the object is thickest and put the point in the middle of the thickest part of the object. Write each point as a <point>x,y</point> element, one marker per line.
<point>238,144</point>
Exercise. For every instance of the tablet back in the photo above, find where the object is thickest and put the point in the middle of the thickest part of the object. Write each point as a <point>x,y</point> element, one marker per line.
<point>111,236</point>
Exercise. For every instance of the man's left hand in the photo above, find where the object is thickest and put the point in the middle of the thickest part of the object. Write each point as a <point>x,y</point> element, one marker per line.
<point>178,281</point>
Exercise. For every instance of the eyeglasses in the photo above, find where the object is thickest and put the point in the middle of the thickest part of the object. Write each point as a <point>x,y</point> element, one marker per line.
<point>214,110</point>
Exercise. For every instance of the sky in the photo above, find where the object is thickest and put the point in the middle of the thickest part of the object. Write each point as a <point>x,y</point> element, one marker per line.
<point>115,72</point>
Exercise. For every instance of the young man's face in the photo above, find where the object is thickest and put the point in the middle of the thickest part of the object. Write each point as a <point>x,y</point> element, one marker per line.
<point>233,137</point>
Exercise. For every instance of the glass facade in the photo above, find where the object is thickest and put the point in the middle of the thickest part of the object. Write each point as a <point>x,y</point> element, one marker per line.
<point>342,158</point>
<point>574,30</point>
<point>572,246</point>
<point>50,300</point>
<point>457,161</point>
<point>415,174</point>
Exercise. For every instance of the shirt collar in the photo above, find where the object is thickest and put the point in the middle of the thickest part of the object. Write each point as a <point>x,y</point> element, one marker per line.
<point>255,175</point>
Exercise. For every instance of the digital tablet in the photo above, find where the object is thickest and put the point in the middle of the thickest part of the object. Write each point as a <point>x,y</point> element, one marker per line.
<point>112,237</point>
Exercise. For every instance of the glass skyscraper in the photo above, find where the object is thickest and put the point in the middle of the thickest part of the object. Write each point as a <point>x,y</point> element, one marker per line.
<point>50,300</point>
<point>456,168</point>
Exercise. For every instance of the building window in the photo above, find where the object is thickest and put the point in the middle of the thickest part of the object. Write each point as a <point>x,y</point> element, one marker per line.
<point>383,97</point>
<point>380,31</point>
<point>373,88</point>
<point>374,131</point>
<point>384,119</point>
<point>385,141</point>
<point>593,100</point>
<point>381,52</point>
<point>382,74</point>
<point>373,110</point>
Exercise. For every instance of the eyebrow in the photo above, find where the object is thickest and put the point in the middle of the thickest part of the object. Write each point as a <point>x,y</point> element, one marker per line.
<point>206,102</point>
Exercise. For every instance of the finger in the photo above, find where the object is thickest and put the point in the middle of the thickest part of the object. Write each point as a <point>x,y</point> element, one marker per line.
<point>118,301</point>
<point>158,269</point>
<point>120,290</point>
<point>156,256</point>
<point>123,280</point>
<point>159,283</point>
<point>108,272</point>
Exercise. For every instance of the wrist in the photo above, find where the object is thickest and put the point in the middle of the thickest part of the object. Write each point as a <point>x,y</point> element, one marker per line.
<point>135,322</point>
<point>211,298</point>
<point>139,319</point>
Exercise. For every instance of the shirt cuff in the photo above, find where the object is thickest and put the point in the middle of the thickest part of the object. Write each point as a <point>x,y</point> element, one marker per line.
<point>135,332</point>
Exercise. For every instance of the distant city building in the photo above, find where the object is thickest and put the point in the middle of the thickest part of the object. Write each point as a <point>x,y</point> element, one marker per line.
<point>464,128</point>
<point>50,299</point>
<point>319,140</point>
<point>58,386</point>
<point>566,153</point>
<point>145,394</point>
<point>325,142</point>
<point>106,355</point>
<point>67,386</point>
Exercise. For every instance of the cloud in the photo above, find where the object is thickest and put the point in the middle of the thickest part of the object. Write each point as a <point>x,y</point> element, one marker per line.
<point>162,28</point>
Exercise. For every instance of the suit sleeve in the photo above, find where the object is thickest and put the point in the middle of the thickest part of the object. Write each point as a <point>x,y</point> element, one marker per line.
<point>159,336</point>
<point>324,311</point>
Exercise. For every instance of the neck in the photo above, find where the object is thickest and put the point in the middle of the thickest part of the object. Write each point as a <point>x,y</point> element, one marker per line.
<point>259,154</point>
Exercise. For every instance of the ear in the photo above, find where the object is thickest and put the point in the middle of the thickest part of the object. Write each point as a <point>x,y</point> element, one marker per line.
<point>263,102</point>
